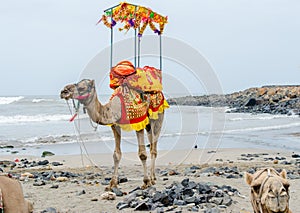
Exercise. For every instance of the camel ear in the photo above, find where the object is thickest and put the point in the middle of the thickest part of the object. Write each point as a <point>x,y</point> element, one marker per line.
<point>248,178</point>
<point>93,83</point>
<point>283,174</point>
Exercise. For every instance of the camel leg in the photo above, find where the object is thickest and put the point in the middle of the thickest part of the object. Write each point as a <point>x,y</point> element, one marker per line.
<point>143,157</point>
<point>117,157</point>
<point>153,135</point>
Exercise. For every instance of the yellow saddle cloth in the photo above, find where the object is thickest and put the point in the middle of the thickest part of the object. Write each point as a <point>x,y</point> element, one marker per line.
<point>146,79</point>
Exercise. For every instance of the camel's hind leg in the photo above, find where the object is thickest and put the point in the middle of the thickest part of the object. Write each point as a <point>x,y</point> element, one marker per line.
<point>143,157</point>
<point>153,135</point>
<point>117,156</point>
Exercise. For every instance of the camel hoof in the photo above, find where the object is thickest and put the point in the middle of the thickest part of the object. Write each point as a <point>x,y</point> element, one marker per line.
<point>147,184</point>
<point>108,189</point>
<point>153,182</point>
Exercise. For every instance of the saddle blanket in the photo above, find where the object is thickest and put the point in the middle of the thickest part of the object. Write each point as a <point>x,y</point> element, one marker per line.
<point>138,108</point>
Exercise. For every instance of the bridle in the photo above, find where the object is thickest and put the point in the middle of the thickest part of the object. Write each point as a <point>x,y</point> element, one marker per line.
<point>258,199</point>
<point>83,96</point>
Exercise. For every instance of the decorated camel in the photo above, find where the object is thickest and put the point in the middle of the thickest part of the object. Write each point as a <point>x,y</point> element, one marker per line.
<point>128,109</point>
<point>269,191</point>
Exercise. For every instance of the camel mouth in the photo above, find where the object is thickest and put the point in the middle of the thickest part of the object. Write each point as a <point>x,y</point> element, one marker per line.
<point>66,93</point>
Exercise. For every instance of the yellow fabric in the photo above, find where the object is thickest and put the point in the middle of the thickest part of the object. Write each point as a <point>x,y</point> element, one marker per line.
<point>137,126</point>
<point>154,115</point>
<point>142,125</point>
<point>147,79</point>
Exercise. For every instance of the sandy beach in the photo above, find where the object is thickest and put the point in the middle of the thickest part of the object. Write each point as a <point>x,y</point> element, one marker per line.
<point>81,193</point>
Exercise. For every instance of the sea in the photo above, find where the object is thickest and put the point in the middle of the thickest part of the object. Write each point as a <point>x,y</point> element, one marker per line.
<point>30,125</point>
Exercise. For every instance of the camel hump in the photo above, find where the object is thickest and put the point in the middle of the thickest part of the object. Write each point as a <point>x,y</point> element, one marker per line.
<point>146,79</point>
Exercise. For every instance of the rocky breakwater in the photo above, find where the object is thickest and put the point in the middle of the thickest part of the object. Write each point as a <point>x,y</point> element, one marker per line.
<point>266,99</point>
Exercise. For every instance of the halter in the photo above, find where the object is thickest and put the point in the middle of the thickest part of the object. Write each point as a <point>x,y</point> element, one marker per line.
<point>81,97</point>
<point>258,200</point>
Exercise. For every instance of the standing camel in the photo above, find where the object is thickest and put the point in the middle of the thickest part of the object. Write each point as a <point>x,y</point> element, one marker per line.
<point>111,114</point>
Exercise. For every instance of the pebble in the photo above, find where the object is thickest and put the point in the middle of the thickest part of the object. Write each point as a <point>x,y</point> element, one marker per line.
<point>39,183</point>
<point>108,196</point>
<point>62,179</point>
<point>54,187</point>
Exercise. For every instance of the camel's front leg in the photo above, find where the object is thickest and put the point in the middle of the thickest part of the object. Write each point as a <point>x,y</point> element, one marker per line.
<point>143,157</point>
<point>117,156</point>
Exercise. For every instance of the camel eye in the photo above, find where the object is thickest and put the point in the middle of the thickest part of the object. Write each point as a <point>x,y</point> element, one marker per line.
<point>81,88</point>
<point>256,189</point>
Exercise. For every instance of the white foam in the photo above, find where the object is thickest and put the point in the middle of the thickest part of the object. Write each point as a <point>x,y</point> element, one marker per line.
<point>9,100</point>
<point>22,119</point>
<point>262,117</point>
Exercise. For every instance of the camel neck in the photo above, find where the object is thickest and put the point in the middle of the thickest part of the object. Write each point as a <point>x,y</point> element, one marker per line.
<point>98,112</point>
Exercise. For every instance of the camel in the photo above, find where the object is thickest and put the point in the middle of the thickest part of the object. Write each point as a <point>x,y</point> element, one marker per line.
<point>11,197</point>
<point>110,114</point>
<point>269,191</point>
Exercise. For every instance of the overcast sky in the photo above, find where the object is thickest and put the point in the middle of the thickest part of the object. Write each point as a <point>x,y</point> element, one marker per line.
<point>45,44</point>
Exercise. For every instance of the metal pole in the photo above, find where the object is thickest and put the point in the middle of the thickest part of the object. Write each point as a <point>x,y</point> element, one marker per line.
<point>139,50</point>
<point>135,36</point>
<point>160,53</point>
<point>111,39</point>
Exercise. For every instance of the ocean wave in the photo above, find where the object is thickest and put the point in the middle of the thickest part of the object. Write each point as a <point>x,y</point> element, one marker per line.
<point>262,128</point>
<point>9,100</point>
<point>267,117</point>
<point>21,119</point>
<point>38,100</point>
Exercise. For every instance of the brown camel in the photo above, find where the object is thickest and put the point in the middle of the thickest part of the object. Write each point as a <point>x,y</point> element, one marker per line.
<point>110,114</point>
<point>269,191</point>
<point>11,197</point>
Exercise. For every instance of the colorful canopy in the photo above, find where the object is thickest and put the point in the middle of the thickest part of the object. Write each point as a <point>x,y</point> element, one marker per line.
<point>134,16</point>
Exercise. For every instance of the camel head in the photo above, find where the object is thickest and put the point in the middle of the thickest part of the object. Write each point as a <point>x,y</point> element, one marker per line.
<point>269,191</point>
<point>83,91</point>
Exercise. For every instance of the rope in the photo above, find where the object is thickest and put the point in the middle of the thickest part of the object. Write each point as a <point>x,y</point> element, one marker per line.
<point>80,141</point>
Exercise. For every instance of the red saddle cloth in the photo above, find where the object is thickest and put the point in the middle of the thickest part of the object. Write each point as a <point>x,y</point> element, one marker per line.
<point>146,79</point>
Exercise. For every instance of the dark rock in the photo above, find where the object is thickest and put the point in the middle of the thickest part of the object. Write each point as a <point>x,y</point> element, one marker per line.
<point>216,200</point>
<point>188,192</point>
<point>56,164</point>
<point>54,187</point>
<point>295,156</point>
<point>179,202</point>
<point>82,192</point>
<point>47,153</point>
<point>117,191</point>
<point>251,102</point>
<point>49,210</point>
<point>39,183</point>
<point>142,207</point>
<point>194,167</point>
<point>123,179</point>
<point>43,163</point>
<point>191,199</point>
<point>185,182</point>
<point>122,206</point>
<point>227,201</point>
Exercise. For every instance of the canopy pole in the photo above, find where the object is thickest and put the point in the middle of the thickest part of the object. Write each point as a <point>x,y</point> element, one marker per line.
<point>135,37</point>
<point>111,39</point>
<point>160,53</point>
<point>135,49</point>
<point>139,50</point>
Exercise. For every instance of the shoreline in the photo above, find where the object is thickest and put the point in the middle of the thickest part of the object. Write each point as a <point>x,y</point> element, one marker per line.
<point>164,158</point>
<point>85,183</point>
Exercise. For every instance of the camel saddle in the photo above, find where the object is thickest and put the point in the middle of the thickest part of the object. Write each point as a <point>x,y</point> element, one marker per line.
<point>146,79</point>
